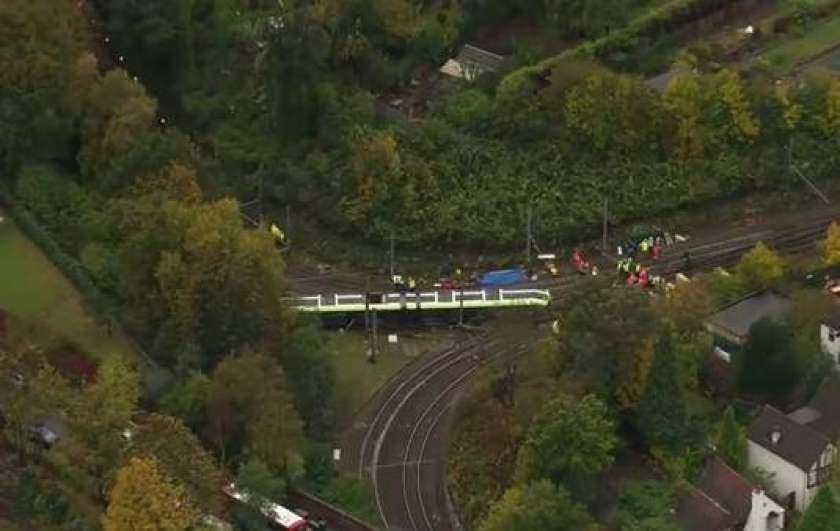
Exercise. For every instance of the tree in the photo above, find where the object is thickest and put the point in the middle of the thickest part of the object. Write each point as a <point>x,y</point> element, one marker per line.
<point>647,506</point>
<point>604,332</point>
<point>823,513</point>
<point>306,356</point>
<point>187,400</point>
<point>538,505</point>
<point>759,268</point>
<point>740,124</point>
<point>567,439</point>
<point>118,111</point>
<point>685,100</point>
<point>250,407</point>
<point>261,485</point>
<point>732,441</point>
<point>662,413</point>
<point>103,410</point>
<point>615,113</point>
<point>154,37</point>
<point>831,246</point>
<point>180,455</point>
<point>144,498</point>
<point>687,305</point>
<point>768,363</point>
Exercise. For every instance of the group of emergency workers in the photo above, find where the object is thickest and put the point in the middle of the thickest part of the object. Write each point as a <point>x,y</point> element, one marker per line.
<point>629,269</point>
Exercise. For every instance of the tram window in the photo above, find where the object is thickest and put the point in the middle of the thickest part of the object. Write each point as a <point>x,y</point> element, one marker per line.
<point>374,298</point>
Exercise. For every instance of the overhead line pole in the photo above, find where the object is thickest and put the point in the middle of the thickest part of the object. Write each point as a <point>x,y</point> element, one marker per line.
<point>802,176</point>
<point>604,235</point>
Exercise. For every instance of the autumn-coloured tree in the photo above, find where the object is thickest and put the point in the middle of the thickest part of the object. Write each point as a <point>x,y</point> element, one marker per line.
<point>831,245</point>
<point>759,268</point>
<point>144,498</point>
<point>686,306</point>
<point>685,100</point>
<point>539,505</point>
<point>180,455</point>
<point>250,407</point>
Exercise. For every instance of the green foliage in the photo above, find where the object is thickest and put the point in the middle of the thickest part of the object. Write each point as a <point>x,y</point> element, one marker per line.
<point>352,494</point>
<point>70,267</point>
<point>569,439</point>
<point>831,246</point>
<point>759,268</point>
<point>647,506</point>
<point>768,364</point>
<point>732,441</point>
<point>186,400</point>
<point>607,334</point>
<point>257,480</point>
<point>250,407</point>
<point>662,413</point>
<point>823,513</point>
<point>56,201</point>
<point>313,386</point>
<point>154,37</point>
<point>538,505</point>
<point>469,109</point>
<point>482,457</point>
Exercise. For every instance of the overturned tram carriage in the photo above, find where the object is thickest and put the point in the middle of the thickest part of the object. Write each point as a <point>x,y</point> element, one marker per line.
<point>442,306</point>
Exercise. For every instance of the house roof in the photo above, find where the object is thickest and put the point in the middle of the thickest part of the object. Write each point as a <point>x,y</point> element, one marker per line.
<point>482,58</point>
<point>728,488</point>
<point>697,511</point>
<point>833,320</point>
<point>798,443</point>
<point>826,404</point>
<point>722,499</point>
<point>737,318</point>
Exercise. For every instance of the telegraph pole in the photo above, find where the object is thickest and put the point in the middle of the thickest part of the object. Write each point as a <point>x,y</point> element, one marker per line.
<point>802,176</point>
<point>391,255</point>
<point>528,236</point>
<point>604,235</point>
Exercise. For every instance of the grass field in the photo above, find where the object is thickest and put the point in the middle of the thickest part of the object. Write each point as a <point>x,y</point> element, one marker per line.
<point>34,291</point>
<point>356,378</point>
<point>787,54</point>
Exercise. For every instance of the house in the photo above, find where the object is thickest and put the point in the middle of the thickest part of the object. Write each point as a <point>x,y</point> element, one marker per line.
<point>731,325</point>
<point>723,500</point>
<point>830,337</point>
<point>471,62</point>
<point>798,449</point>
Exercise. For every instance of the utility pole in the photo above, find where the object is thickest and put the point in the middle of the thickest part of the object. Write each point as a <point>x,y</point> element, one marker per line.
<point>260,196</point>
<point>802,176</point>
<point>391,255</point>
<point>528,237</point>
<point>604,235</point>
<point>288,226</point>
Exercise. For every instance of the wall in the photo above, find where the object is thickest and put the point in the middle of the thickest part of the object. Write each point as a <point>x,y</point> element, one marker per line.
<point>785,476</point>
<point>762,508</point>
<point>830,346</point>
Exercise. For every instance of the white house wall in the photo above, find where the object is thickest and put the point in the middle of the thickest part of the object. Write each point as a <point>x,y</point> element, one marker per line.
<point>762,508</point>
<point>830,346</point>
<point>785,476</point>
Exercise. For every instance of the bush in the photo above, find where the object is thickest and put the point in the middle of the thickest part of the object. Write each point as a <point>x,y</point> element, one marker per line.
<point>71,268</point>
<point>469,109</point>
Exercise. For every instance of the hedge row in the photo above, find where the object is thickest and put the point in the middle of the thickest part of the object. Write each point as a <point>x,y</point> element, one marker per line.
<point>101,304</point>
<point>655,22</point>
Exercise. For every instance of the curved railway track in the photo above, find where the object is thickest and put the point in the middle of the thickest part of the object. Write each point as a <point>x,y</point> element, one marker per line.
<point>404,445</point>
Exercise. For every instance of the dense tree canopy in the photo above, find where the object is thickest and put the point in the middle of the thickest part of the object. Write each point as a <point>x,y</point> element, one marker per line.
<point>769,364</point>
<point>538,505</point>
<point>144,498</point>
<point>568,439</point>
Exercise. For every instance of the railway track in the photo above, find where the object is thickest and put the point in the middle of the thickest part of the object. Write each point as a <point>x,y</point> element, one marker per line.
<point>404,446</point>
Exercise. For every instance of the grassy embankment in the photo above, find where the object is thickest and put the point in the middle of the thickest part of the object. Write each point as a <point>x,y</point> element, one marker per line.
<point>34,291</point>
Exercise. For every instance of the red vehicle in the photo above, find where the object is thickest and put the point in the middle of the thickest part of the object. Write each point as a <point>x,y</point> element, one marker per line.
<point>277,515</point>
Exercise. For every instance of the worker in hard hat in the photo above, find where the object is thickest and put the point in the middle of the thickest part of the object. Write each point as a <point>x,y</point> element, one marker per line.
<point>279,235</point>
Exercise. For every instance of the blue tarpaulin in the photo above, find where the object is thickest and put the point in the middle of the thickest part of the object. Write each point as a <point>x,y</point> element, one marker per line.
<point>504,277</point>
